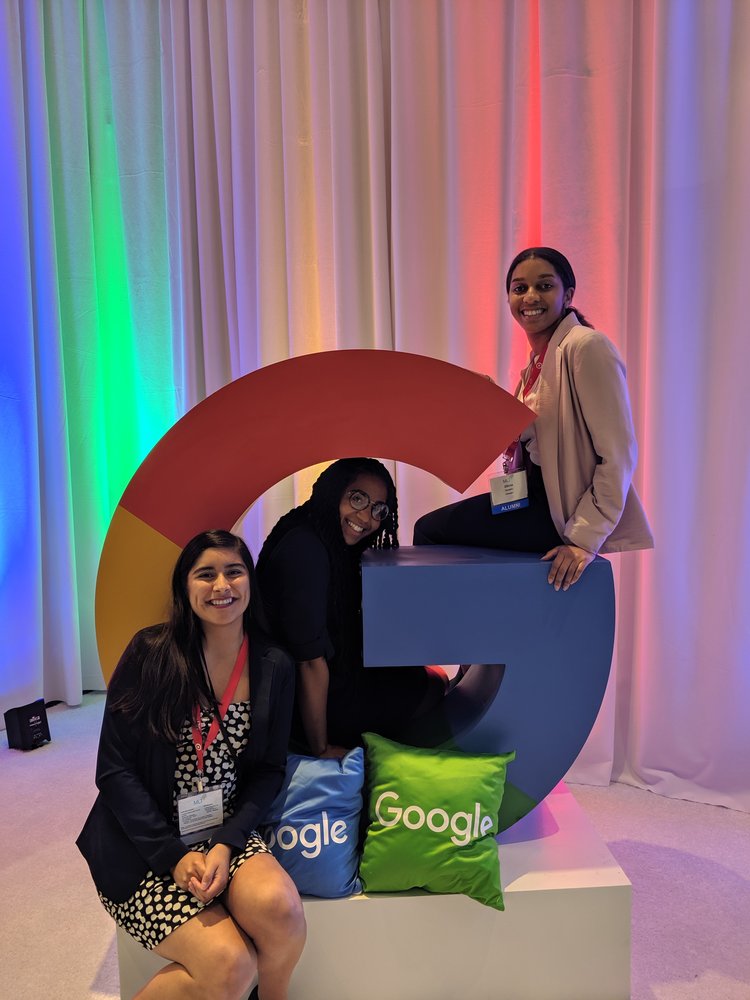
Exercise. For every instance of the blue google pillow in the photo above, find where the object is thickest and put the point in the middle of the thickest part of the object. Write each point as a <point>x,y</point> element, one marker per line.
<point>312,826</point>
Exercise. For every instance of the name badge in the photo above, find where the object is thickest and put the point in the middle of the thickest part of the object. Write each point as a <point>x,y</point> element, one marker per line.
<point>200,813</point>
<point>509,492</point>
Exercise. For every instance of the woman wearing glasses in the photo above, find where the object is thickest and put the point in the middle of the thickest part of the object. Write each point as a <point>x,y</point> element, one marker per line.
<point>309,569</point>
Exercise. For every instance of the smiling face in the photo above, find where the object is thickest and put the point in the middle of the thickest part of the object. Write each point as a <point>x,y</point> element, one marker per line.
<point>358,524</point>
<point>537,297</point>
<point>218,587</point>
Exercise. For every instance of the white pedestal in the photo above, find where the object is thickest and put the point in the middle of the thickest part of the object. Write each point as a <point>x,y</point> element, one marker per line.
<point>564,935</point>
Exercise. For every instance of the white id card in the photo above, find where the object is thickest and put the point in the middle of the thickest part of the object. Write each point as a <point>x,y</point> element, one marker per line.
<point>200,813</point>
<point>509,492</point>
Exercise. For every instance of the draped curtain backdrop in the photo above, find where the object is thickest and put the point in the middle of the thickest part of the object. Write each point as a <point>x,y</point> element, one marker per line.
<point>190,190</point>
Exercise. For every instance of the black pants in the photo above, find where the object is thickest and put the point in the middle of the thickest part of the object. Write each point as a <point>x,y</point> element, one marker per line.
<point>383,700</point>
<point>471,522</point>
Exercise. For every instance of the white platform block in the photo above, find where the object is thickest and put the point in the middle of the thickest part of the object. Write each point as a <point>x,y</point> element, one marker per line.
<point>564,935</point>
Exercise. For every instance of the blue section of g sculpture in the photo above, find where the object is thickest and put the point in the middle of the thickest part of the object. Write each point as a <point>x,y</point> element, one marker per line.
<point>542,657</point>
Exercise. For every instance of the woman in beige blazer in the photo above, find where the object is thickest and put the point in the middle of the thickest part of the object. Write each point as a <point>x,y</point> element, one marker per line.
<point>579,454</point>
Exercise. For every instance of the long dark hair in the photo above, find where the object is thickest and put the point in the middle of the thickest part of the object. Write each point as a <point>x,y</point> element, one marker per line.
<point>173,676</point>
<point>562,267</point>
<point>321,513</point>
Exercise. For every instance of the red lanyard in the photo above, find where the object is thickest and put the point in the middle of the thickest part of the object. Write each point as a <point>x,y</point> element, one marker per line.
<point>536,367</point>
<point>202,745</point>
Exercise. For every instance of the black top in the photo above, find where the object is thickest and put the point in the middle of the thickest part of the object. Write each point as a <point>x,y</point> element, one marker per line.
<point>312,620</point>
<point>295,581</point>
<point>130,829</point>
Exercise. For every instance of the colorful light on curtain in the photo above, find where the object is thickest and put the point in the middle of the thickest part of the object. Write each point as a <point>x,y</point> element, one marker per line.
<point>88,374</point>
<point>191,190</point>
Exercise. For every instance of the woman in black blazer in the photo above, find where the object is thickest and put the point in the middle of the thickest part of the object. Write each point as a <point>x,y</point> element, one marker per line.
<point>192,753</point>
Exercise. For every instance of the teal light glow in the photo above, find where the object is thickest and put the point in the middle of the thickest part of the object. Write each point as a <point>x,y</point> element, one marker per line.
<point>86,372</point>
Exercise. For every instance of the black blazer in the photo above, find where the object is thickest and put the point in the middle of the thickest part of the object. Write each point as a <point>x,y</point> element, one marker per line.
<point>129,829</point>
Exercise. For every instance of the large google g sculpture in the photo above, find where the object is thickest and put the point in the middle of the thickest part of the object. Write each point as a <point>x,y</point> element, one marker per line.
<point>546,654</point>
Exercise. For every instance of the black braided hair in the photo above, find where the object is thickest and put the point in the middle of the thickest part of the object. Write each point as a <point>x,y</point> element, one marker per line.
<point>321,513</point>
<point>562,267</point>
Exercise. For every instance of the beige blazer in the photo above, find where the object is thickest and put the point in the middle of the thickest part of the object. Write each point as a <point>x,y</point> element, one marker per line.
<point>586,441</point>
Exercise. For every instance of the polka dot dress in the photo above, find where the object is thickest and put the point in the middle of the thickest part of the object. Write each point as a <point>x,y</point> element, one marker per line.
<point>158,906</point>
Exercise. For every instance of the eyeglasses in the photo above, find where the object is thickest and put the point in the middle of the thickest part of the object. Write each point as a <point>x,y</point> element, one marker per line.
<point>361,501</point>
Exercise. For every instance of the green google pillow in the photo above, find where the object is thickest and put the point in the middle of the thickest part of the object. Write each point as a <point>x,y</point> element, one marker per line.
<point>433,820</point>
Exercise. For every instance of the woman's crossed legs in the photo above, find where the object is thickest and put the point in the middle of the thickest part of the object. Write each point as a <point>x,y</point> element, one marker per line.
<point>258,928</point>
